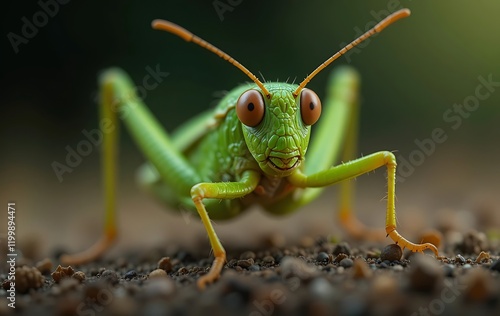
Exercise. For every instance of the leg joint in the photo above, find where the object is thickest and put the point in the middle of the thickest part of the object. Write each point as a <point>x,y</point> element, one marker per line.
<point>198,192</point>
<point>389,159</point>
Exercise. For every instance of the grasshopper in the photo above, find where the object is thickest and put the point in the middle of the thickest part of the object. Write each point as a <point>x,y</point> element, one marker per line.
<point>250,149</point>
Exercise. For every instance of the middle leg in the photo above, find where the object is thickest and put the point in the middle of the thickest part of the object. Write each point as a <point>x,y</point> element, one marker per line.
<point>354,169</point>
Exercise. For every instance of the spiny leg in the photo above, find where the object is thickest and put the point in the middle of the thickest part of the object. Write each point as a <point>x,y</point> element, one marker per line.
<point>356,168</point>
<point>109,162</point>
<point>220,190</point>
<point>348,220</point>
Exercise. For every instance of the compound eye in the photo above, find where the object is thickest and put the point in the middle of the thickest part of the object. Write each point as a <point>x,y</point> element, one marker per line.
<point>250,108</point>
<point>310,107</point>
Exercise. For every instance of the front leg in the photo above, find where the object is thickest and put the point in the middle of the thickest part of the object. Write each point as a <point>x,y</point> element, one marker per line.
<point>220,190</point>
<point>356,168</point>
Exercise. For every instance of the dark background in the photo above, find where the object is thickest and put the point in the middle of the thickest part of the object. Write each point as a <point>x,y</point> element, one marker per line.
<point>411,74</point>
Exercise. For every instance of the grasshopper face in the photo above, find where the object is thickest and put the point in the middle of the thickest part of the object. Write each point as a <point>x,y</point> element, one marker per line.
<point>277,129</point>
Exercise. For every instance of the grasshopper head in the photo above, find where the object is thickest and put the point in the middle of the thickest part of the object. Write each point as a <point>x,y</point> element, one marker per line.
<point>277,129</point>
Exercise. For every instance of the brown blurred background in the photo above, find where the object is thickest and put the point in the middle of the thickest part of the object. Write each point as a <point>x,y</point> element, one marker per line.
<point>413,74</point>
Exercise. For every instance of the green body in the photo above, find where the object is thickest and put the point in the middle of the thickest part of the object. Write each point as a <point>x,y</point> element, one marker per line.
<point>216,166</point>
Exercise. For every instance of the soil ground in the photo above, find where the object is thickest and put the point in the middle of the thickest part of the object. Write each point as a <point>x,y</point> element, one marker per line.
<point>315,277</point>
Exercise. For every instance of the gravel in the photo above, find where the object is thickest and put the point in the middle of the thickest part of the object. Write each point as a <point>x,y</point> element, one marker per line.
<point>318,277</point>
<point>391,252</point>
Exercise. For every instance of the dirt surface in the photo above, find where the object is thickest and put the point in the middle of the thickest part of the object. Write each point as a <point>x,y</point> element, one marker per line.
<point>317,276</point>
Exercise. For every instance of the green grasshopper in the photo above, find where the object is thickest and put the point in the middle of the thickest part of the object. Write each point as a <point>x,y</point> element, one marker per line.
<point>251,149</point>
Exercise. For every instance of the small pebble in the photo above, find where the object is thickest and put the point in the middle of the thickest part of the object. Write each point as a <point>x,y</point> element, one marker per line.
<point>398,267</point>
<point>182,271</point>
<point>130,274</point>
<point>473,242</point>
<point>165,264</point>
<point>27,278</point>
<point>268,259</point>
<point>384,265</point>
<point>346,263</point>
<point>232,263</point>
<point>361,270</point>
<point>322,257</point>
<point>247,255</point>
<point>372,254</point>
<point>158,273</point>
<point>342,247</point>
<point>340,257</point>
<point>44,266</point>
<point>254,267</point>
<point>110,276</point>
<point>391,252</point>
<point>482,256</point>
<point>245,263</point>
<point>328,267</point>
<point>79,276</point>
<point>460,259</point>
<point>62,272</point>
<point>449,270</point>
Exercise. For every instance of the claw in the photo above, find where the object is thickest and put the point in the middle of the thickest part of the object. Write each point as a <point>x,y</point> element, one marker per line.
<point>404,243</point>
<point>213,274</point>
<point>91,254</point>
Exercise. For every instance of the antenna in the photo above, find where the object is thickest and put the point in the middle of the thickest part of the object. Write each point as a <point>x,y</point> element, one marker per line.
<point>190,37</point>
<point>403,13</point>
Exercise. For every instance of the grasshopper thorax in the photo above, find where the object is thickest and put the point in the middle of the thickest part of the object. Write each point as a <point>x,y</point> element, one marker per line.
<point>277,129</point>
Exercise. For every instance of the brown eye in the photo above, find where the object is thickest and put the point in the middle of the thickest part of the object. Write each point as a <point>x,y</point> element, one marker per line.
<point>310,107</point>
<point>250,108</point>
